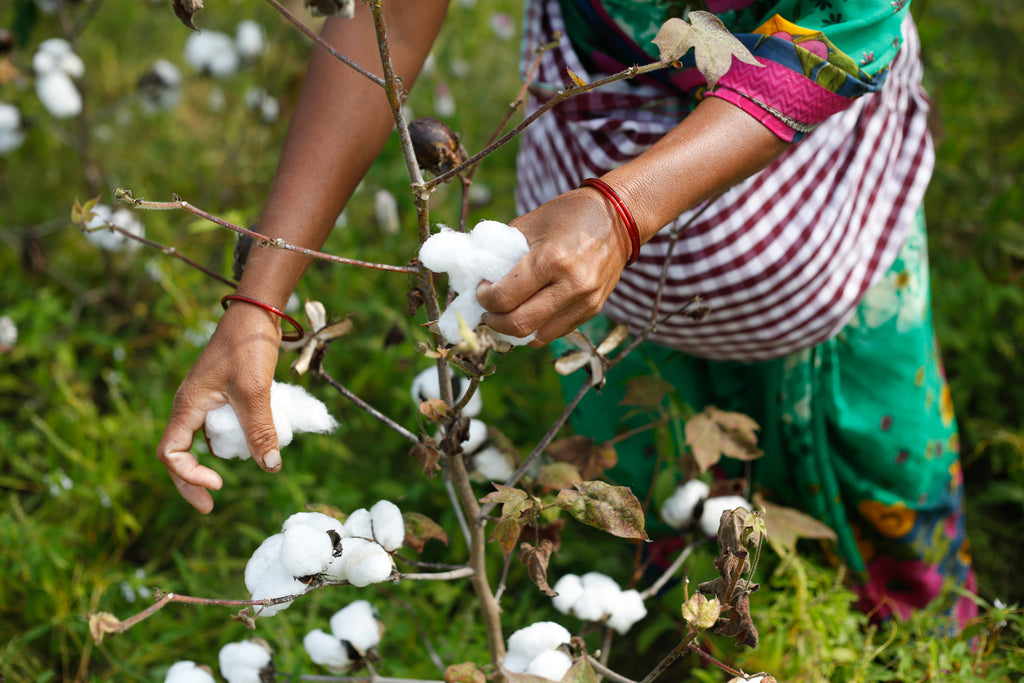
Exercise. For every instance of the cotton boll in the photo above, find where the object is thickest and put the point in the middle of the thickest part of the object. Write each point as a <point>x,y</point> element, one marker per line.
<point>492,464</point>
<point>249,40</point>
<point>359,524</point>
<point>536,638</point>
<point>388,525</point>
<point>8,331</point>
<point>53,55</point>
<point>677,510</point>
<point>242,662</point>
<point>713,509</point>
<point>188,672</point>
<point>358,624</point>
<point>160,87</point>
<point>317,520</point>
<point>516,662</point>
<point>109,239</point>
<point>212,53</point>
<point>552,665</point>
<point>326,650</point>
<point>305,412</point>
<point>278,582</point>
<point>426,386</point>
<point>600,593</point>
<point>263,104</point>
<point>627,610</point>
<point>477,436</point>
<point>369,564</point>
<point>569,589</point>
<point>385,212</point>
<point>265,556</point>
<point>305,550</point>
<point>59,95</point>
<point>11,133</point>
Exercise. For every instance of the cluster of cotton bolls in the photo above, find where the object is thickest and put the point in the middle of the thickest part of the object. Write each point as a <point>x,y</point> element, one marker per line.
<point>488,461</point>
<point>294,410</point>
<point>356,631</point>
<point>99,233</point>
<point>217,54</point>
<point>690,504</point>
<point>55,65</point>
<point>537,650</point>
<point>312,544</point>
<point>12,132</point>
<point>597,597</point>
<point>487,252</point>
<point>247,661</point>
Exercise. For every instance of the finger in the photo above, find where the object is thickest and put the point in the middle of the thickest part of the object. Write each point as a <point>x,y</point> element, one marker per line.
<point>192,480</point>
<point>521,283</point>
<point>552,312</point>
<point>257,424</point>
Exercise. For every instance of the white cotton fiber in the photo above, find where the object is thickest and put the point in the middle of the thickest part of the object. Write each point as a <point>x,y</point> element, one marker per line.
<point>600,592</point>
<point>711,517</point>
<point>492,464</point>
<point>359,524</point>
<point>487,252</point>
<point>550,664</point>
<point>326,650</point>
<point>294,410</point>
<point>306,550</point>
<point>58,93</point>
<point>677,510</point>
<point>388,525</point>
<point>278,582</point>
<point>627,610</point>
<point>212,52</point>
<point>265,556</point>
<point>242,662</point>
<point>477,435</point>
<point>425,386</point>
<point>368,564</point>
<point>516,662</point>
<point>569,589</point>
<point>317,520</point>
<point>358,624</point>
<point>188,672</point>
<point>536,638</point>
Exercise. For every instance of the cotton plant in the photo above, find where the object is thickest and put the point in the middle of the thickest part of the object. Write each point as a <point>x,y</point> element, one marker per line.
<point>597,597</point>
<point>294,411</point>
<point>313,545</point>
<point>247,661</point>
<point>187,671</point>
<point>691,505</point>
<point>99,232</point>
<point>535,650</point>
<point>488,462</point>
<point>487,252</point>
<point>56,65</point>
<point>212,53</point>
<point>356,631</point>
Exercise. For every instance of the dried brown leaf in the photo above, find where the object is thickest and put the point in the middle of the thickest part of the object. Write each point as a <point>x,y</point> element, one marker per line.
<point>610,508</point>
<point>419,529</point>
<point>536,558</point>
<point>186,10</point>
<point>591,459</point>
<point>466,672</point>
<point>786,525</point>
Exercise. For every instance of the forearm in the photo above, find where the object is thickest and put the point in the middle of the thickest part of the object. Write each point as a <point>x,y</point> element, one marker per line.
<point>341,122</point>
<point>712,149</point>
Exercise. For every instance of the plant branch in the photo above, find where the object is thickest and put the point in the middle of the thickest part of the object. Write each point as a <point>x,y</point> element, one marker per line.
<point>260,240</point>
<point>315,37</point>
<point>653,589</point>
<point>366,407</point>
<point>606,672</point>
<point>670,659</point>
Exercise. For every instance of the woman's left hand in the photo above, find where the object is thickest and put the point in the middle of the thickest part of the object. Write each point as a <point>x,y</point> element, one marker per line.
<point>578,249</point>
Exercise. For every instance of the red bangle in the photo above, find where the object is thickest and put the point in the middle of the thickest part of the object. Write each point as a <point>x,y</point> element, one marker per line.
<point>297,334</point>
<point>620,206</point>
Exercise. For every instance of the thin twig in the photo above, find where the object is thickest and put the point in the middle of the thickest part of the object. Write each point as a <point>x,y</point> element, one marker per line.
<point>453,496</point>
<point>504,578</point>
<point>259,239</point>
<point>653,589</point>
<point>312,35</point>
<point>708,657</point>
<point>606,672</point>
<point>451,575</point>
<point>671,657</point>
<point>367,408</point>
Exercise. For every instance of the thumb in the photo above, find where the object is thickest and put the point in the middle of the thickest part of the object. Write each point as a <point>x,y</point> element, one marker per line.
<point>261,437</point>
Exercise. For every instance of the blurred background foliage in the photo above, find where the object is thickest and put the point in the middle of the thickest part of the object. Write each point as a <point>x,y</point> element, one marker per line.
<point>88,518</point>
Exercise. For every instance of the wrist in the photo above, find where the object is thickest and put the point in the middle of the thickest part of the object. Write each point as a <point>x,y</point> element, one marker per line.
<point>621,216</point>
<point>293,331</point>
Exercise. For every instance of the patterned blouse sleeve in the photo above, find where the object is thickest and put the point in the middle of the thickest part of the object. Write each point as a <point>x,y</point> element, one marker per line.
<point>806,77</point>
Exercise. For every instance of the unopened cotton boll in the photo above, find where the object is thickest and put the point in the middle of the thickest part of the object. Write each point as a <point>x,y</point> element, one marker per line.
<point>551,664</point>
<point>59,95</point>
<point>188,672</point>
<point>293,409</point>
<point>388,525</point>
<point>243,662</point>
<point>212,53</point>
<point>326,650</point>
<point>359,524</point>
<point>368,564</point>
<point>536,638</point>
<point>711,517</point>
<point>306,550</point>
<point>427,386</point>
<point>677,510</point>
<point>359,625</point>
<point>628,609</point>
<point>569,589</point>
<point>488,252</point>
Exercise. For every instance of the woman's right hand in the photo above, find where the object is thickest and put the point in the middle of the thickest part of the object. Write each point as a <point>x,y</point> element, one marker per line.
<point>236,367</point>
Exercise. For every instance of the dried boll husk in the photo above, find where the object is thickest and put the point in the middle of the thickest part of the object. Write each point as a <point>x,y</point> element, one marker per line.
<point>437,148</point>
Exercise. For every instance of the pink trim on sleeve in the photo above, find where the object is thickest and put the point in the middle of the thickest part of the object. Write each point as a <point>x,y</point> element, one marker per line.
<point>766,118</point>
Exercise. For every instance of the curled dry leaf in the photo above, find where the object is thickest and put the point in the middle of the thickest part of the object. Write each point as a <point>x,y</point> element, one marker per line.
<point>428,457</point>
<point>536,558</point>
<point>466,672</point>
<point>102,623</point>
<point>185,10</point>
<point>713,44</point>
<point>714,433</point>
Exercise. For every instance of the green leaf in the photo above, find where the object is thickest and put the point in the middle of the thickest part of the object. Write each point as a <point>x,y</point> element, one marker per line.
<point>713,45</point>
<point>610,508</point>
<point>514,501</point>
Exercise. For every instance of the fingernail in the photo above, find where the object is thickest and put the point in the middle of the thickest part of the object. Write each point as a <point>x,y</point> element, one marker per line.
<point>272,461</point>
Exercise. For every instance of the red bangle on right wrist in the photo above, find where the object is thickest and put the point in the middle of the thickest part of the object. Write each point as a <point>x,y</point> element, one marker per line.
<point>623,211</point>
<point>295,335</point>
